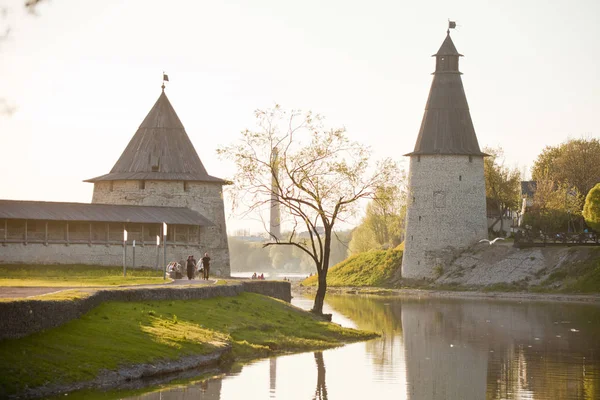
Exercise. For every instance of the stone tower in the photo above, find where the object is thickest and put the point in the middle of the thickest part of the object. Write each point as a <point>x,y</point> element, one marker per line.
<point>160,167</point>
<point>275,217</point>
<point>446,201</point>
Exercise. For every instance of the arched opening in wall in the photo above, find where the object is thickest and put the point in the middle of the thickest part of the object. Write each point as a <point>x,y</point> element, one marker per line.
<point>419,218</point>
<point>142,185</point>
<point>470,158</point>
<point>460,177</point>
<point>186,186</point>
<point>418,158</point>
<point>110,186</point>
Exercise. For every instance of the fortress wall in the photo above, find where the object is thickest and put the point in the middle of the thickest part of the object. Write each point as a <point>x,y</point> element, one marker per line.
<point>446,211</point>
<point>100,254</point>
<point>203,197</point>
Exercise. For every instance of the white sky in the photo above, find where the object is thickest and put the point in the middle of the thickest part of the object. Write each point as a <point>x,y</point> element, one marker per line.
<point>84,74</point>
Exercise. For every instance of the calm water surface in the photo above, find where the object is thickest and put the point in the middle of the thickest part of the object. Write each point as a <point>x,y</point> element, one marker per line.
<point>431,349</point>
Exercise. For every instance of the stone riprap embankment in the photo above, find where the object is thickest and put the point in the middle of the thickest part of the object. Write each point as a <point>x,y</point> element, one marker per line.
<point>24,317</point>
<point>484,265</point>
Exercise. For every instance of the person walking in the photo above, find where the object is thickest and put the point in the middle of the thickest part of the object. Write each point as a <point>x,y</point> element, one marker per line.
<point>205,266</point>
<point>191,267</point>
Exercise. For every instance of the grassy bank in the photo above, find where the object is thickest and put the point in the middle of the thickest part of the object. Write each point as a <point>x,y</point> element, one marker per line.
<point>372,268</point>
<point>75,275</point>
<point>577,277</point>
<point>576,272</point>
<point>118,334</point>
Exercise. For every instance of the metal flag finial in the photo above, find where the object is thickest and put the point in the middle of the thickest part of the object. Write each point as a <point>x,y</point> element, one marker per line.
<point>165,79</point>
<point>451,25</point>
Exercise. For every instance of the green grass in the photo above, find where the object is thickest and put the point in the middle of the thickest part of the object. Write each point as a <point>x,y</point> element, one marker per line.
<point>117,334</point>
<point>14,275</point>
<point>64,295</point>
<point>372,268</point>
<point>581,277</point>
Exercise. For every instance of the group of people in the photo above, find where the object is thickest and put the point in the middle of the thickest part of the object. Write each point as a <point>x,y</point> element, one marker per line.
<point>204,268</point>
<point>261,276</point>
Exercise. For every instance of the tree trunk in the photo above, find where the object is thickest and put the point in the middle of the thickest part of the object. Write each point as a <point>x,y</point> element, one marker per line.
<point>322,289</point>
<point>320,297</point>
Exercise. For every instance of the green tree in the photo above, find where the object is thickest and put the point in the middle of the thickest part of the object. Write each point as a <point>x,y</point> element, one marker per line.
<point>502,185</point>
<point>383,224</point>
<point>575,163</point>
<point>554,208</point>
<point>363,239</point>
<point>320,177</point>
<point>591,209</point>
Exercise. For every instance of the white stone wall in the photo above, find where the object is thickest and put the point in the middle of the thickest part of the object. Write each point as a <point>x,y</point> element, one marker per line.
<point>446,211</point>
<point>204,197</point>
<point>95,254</point>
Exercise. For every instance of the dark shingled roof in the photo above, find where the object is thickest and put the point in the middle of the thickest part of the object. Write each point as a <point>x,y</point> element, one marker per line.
<point>85,212</point>
<point>447,48</point>
<point>447,127</point>
<point>159,150</point>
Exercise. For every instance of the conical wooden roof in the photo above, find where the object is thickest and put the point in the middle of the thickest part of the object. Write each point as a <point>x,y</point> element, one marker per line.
<point>159,150</point>
<point>447,127</point>
<point>447,48</point>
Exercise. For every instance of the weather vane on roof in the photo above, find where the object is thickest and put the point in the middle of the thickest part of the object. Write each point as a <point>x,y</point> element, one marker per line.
<point>165,79</point>
<point>451,25</point>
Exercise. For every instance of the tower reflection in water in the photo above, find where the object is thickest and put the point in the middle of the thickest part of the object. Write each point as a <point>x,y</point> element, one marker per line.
<point>482,349</point>
<point>433,349</point>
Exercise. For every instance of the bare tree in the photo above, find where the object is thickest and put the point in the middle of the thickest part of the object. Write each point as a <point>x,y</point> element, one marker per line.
<point>318,179</point>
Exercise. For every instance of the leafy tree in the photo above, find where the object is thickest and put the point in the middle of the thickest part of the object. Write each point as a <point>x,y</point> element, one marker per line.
<point>554,207</point>
<point>502,185</point>
<point>321,177</point>
<point>363,239</point>
<point>575,163</point>
<point>591,210</point>
<point>383,225</point>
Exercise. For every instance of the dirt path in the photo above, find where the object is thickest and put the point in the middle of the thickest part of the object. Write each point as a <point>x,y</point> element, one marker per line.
<point>24,292</point>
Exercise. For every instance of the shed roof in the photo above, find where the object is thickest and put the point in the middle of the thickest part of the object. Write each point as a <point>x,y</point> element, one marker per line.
<point>86,212</point>
<point>447,127</point>
<point>159,150</point>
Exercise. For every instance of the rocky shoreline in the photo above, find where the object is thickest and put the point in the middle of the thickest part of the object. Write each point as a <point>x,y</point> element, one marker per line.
<point>298,290</point>
<point>131,374</point>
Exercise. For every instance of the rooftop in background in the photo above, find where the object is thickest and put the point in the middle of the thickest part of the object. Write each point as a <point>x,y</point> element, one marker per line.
<point>528,188</point>
<point>159,150</point>
<point>84,212</point>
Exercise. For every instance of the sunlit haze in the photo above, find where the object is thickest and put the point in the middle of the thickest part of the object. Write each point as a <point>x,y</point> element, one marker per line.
<point>82,75</point>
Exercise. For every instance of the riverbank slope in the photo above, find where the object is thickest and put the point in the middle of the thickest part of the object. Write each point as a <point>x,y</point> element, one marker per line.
<point>497,268</point>
<point>120,341</point>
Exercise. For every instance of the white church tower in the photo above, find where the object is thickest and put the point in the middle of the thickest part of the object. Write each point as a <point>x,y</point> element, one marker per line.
<point>446,201</point>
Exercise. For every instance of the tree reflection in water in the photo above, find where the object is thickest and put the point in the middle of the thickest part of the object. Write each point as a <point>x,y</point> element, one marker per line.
<point>321,391</point>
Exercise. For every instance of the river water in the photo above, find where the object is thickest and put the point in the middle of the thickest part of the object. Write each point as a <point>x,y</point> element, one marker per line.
<point>430,349</point>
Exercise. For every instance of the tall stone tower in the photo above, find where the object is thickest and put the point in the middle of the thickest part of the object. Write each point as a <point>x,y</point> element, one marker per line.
<point>160,167</point>
<point>446,210</point>
<point>275,216</point>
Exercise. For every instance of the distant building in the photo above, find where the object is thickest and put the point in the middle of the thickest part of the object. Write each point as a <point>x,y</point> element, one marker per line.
<point>446,208</point>
<point>158,179</point>
<point>528,189</point>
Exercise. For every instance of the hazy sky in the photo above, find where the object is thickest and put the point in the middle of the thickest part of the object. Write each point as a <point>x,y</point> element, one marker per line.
<point>84,74</point>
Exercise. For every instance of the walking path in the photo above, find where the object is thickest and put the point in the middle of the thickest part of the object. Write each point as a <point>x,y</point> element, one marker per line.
<point>24,292</point>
